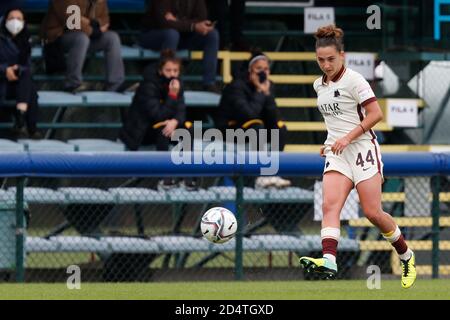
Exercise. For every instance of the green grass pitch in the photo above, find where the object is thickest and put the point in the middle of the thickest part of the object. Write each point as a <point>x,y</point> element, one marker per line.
<point>257,290</point>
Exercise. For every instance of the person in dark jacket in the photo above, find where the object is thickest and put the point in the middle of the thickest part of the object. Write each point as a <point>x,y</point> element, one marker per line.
<point>217,10</point>
<point>157,109</point>
<point>91,35</point>
<point>15,73</point>
<point>183,24</point>
<point>248,102</point>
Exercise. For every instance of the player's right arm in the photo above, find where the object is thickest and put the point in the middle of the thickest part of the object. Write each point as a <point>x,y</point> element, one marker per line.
<point>315,86</point>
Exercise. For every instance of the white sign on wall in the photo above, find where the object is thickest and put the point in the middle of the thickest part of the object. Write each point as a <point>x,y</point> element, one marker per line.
<point>361,62</point>
<point>402,112</point>
<point>316,17</point>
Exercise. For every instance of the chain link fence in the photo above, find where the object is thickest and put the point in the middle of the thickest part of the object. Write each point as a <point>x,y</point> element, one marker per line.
<point>133,230</point>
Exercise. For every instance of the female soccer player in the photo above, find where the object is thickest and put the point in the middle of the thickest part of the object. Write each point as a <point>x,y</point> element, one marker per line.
<point>353,158</point>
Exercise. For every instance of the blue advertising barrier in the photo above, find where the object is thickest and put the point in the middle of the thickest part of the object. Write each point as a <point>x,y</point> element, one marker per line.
<point>157,164</point>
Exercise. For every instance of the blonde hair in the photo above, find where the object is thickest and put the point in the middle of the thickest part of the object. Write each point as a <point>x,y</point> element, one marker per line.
<point>330,36</point>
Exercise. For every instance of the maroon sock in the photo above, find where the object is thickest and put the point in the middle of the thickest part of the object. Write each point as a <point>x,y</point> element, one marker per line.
<point>400,245</point>
<point>329,246</point>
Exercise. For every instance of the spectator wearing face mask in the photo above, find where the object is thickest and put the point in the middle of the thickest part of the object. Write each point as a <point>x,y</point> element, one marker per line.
<point>248,103</point>
<point>15,73</point>
<point>157,110</point>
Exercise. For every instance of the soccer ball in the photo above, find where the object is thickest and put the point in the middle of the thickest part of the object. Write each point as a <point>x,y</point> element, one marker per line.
<point>218,225</point>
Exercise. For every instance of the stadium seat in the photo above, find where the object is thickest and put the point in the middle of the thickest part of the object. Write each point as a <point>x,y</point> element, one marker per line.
<point>173,244</point>
<point>10,146</point>
<point>151,54</point>
<point>345,244</point>
<point>137,195</point>
<point>46,145</point>
<point>128,53</point>
<point>7,196</point>
<point>179,244</point>
<point>201,99</point>
<point>58,99</point>
<point>293,79</point>
<point>291,194</point>
<point>184,196</point>
<point>52,99</point>
<point>41,195</point>
<point>36,52</point>
<point>101,98</point>
<point>296,102</point>
<point>276,242</point>
<point>38,244</point>
<point>255,195</point>
<point>248,244</point>
<point>80,195</point>
<point>114,99</point>
<point>96,145</point>
<point>131,245</point>
<point>80,244</point>
<point>229,193</point>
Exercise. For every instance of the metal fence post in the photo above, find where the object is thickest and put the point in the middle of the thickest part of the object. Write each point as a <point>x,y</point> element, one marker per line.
<point>239,267</point>
<point>20,230</point>
<point>435,187</point>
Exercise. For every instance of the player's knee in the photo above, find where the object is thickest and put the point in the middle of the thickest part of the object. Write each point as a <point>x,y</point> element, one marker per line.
<point>374,215</point>
<point>329,208</point>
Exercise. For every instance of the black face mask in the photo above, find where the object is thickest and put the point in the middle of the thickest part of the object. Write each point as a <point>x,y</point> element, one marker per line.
<point>165,80</point>
<point>262,76</point>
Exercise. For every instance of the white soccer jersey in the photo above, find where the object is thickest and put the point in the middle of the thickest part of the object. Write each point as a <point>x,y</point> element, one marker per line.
<point>342,103</point>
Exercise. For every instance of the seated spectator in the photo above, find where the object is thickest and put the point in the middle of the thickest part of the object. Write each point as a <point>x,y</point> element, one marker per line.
<point>15,73</point>
<point>94,35</point>
<point>174,24</point>
<point>218,12</point>
<point>157,109</point>
<point>248,102</point>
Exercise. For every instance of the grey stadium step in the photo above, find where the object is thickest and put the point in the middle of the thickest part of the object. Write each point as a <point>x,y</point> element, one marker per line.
<point>127,53</point>
<point>41,195</point>
<point>87,195</point>
<point>10,146</point>
<point>54,99</point>
<point>46,145</point>
<point>213,194</point>
<point>179,244</point>
<point>137,195</point>
<point>96,145</point>
<point>289,195</point>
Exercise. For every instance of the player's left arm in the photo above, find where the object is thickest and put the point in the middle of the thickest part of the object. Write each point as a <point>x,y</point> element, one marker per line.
<point>373,116</point>
<point>365,98</point>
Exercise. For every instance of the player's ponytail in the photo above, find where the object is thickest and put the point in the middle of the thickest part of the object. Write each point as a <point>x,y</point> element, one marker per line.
<point>329,36</point>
